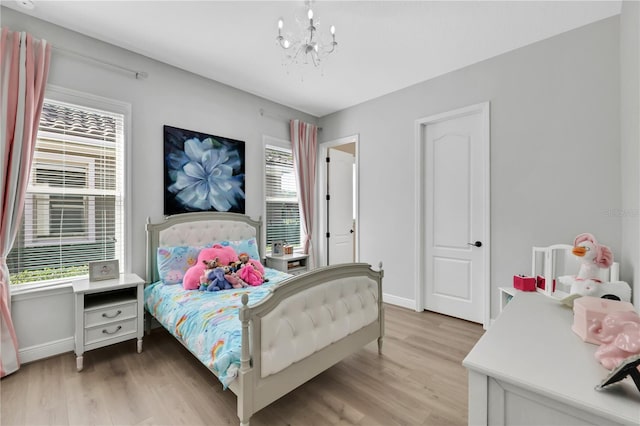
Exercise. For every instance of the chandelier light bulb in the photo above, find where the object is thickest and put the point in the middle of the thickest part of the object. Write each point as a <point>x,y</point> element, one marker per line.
<point>280,24</point>
<point>286,44</point>
<point>310,14</point>
<point>333,30</point>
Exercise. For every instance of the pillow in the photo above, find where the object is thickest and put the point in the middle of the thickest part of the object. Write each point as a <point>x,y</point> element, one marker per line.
<point>173,262</point>
<point>249,246</point>
<point>225,255</point>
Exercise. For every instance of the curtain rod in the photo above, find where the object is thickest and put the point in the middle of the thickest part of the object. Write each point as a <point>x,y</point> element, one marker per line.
<point>264,113</point>
<point>140,75</point>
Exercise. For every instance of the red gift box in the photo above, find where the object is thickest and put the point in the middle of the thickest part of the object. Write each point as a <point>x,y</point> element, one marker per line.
<point>541,283</point>
<point>524,283</point>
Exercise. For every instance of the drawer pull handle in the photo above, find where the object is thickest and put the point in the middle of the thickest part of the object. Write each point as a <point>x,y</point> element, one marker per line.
<point>112,332</point>
<point>112,316</point>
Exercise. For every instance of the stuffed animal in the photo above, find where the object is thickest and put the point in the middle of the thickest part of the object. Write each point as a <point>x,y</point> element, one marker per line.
<point>217,281</point>
<point>252,272</point>
<point>233,278</point>
<point>620,337</point>
<point>594,256</point>
<point>210,265</point>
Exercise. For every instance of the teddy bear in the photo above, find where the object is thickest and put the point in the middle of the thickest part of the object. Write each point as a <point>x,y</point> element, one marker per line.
<point>210,265</point>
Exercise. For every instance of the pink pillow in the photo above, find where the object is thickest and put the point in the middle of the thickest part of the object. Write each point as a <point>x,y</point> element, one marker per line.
<point>225,255</point>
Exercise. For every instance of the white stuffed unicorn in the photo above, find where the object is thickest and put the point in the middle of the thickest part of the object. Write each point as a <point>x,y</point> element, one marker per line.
<point>588,283</point>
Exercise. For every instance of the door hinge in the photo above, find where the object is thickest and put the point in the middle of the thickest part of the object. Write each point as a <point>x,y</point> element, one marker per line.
<point>328,197</point>
<point>328,234</point>
<point>328,160</point>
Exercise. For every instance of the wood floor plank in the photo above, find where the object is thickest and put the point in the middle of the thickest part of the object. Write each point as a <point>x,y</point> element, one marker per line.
<point>419,380</point>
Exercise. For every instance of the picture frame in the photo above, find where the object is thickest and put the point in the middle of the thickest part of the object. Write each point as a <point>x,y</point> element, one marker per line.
<point>104,270</point>
<point>202,172</point>
<point>277,248</point>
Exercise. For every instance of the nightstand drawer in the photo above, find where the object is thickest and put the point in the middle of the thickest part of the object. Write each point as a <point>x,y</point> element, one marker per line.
<point>108,314</point>
<point>110,331</point>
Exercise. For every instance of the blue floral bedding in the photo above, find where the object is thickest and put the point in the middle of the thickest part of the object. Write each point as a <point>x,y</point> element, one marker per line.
<point>207,322</point>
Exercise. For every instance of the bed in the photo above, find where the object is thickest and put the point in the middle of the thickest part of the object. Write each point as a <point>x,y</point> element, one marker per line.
<point>275,337</point>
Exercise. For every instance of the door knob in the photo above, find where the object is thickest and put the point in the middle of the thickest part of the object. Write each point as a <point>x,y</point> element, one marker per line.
<point>477,244</point>
<point>351,231</point>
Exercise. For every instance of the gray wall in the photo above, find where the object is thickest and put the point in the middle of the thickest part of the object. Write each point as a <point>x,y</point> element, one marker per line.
<point>169,96</point>
<point>630,139</point>
<point>555,153</point>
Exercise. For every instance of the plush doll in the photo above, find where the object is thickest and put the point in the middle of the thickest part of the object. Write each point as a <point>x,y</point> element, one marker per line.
<point>217,280</point>
<point>233,278</point>
<point>593,257</point>
<point>619,333</point>
<point>251,271</point>
<point>210,265</point>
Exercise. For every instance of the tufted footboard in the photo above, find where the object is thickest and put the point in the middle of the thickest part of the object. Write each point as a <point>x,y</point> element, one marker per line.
<point>308,324</point>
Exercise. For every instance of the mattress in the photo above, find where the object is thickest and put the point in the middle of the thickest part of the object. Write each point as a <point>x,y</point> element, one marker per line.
<point>206,322</point>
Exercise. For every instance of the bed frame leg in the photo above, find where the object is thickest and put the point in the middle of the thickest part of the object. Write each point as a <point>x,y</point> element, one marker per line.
<point>379,345</point>
<point>244,423</point>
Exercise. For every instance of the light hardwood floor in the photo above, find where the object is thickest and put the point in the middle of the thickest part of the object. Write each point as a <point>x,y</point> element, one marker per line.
<point>419,380</point>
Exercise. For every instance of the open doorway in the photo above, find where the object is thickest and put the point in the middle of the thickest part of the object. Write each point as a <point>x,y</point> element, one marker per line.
<point>338,202</point>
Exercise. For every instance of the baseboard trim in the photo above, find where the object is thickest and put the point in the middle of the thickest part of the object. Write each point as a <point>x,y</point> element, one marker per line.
<point>46,350</point>
<point>399,301</point>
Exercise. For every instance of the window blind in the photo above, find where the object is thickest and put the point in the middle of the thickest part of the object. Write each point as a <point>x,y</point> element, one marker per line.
<point>282,209</point>
<point>74,205</point>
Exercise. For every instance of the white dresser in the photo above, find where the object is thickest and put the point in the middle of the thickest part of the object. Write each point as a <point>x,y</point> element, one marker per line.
<point>107,312</point>
<point>529,368</point>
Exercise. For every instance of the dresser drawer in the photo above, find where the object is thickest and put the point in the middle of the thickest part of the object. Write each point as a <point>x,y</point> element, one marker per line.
<point>110,313</point>
<point>110,331</point>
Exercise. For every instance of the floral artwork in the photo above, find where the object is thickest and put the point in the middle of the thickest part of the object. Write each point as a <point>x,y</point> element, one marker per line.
<point>202,172</point>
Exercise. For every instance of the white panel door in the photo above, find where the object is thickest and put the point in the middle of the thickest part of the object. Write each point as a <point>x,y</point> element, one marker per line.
<point>340,216</point>
<point>454,226</point>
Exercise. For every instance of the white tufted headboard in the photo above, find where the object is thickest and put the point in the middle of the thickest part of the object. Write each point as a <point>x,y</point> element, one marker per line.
<point>197,229</point>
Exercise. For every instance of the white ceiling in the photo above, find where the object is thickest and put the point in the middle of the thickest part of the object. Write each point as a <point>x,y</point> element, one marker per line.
<point>383,45</point>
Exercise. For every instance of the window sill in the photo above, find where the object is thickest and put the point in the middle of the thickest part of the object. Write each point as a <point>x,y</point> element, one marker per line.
<point>29,291</point>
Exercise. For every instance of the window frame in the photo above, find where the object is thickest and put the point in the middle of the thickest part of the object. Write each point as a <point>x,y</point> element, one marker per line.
<point>284,144</point>
<point>88,100</point>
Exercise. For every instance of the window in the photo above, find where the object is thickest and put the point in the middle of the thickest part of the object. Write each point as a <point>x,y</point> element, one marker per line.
<point>74,205</point>
<point>281,197</point>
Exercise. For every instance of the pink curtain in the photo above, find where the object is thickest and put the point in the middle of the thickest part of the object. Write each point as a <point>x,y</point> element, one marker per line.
<point>304,143</point>
<point>24,68</point>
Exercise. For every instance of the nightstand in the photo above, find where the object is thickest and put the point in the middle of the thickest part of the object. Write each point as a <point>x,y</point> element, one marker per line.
<point>293,264</point>
<point>107,312</point>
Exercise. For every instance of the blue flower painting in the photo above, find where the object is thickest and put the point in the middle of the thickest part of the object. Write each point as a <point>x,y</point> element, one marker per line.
<point>202,172</point>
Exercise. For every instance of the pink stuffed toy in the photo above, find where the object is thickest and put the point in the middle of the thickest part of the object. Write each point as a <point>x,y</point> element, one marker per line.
<point>233,278</point>
<point>620,337</point>
<point>225,255</point>
<point>594,256</point>
<point>251,271</point>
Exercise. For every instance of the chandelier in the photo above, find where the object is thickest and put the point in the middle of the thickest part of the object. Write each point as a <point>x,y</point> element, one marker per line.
<point>309,46</point>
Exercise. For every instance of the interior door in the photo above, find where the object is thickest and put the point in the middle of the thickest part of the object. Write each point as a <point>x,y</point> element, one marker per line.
<point>455,222</point>
<point>340,207</point>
